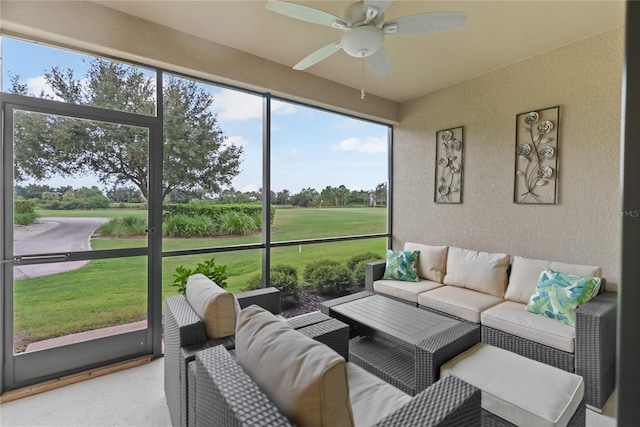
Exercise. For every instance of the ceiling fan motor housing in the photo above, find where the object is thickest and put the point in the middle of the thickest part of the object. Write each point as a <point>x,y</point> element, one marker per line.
<point>362,41</point>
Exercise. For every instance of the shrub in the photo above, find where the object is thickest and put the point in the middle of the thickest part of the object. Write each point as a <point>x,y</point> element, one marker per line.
<point>234,222</point>
<point>217,273</point>
<point>283,277</point>
<point>254,282</point>
<point>25,218</point>
<point>25,213</point>
<point>24,206</point>
<point>327,276</point>
<point>130,225</point>
<point>257,218</point>
<point>182,225</point>
<point>356,263</point>
<point>213,210</point>
<point>312,266</point>
<point>108,228</point>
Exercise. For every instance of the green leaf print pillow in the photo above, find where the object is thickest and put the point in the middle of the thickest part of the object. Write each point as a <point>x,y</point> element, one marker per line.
<point>558,295</point>
<point>402,265</point>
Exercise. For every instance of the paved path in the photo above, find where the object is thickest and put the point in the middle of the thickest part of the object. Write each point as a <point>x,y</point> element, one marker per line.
<point>49,235</point>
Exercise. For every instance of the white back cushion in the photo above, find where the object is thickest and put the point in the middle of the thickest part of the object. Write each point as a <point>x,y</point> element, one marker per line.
<point>480,271</point>
<point>432,261</point>
<point>217,308</point>
<point>525,273</point>
<point>306,379</point>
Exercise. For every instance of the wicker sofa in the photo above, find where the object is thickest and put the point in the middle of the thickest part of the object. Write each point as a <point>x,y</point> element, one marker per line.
<point>492,290</point>
<point>308,384</point>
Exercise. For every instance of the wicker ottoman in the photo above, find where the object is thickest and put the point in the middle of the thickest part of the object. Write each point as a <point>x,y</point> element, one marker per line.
<point>519,391</point>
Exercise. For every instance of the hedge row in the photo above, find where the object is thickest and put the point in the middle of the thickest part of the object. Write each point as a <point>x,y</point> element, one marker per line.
<point>214,211</point>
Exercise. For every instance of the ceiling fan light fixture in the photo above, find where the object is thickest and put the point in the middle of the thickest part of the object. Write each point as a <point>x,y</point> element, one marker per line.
<point>362,41</point>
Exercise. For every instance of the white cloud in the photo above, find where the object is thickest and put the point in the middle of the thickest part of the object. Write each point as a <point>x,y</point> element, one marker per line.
<point>37,85</point>
<point>236,105</point>
<point>366,145</point>
<point>250,187</point>
<point>282,109</point>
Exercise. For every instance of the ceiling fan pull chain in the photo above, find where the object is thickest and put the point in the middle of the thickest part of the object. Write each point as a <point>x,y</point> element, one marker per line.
<point>362,90</point>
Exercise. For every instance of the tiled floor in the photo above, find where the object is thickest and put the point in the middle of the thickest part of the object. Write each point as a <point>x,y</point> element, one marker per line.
<point>131,398</point>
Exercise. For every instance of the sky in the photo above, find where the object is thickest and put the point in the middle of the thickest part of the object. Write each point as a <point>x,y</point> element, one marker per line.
<point>309,147</point>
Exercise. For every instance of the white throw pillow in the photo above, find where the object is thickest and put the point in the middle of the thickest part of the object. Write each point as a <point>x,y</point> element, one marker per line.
<point>481,271</point>
<point>525,273</point>
<point>306,379</point>
<point>432,261</point>
<point>217,308</point>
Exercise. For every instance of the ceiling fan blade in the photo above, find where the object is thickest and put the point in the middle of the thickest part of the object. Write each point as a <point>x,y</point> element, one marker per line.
<point>430,22</point>
<point>378,62</point>
<point>318,56</point>
<point>305,13</point>
<point>381,5</point>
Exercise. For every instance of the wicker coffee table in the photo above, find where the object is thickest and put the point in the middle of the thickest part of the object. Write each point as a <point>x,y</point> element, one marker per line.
<point>402,344</point>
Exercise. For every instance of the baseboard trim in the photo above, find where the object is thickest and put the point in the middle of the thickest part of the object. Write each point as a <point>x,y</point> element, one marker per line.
<point>72,379</point>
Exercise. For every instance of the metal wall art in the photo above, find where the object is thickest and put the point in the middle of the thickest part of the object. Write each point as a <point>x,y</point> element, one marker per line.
<point>449,148</point>
<point>536,157</point>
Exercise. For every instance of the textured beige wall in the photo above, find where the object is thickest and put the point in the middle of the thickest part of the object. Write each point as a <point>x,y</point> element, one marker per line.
<point>585,80</point>
<point>87,26</point>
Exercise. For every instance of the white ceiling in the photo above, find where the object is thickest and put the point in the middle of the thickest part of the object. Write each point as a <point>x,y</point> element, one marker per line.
<point>497,33</point>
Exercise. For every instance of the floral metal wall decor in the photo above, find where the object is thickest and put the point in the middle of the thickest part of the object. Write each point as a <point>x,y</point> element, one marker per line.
<point>536,157</point>
<point>449,148</point>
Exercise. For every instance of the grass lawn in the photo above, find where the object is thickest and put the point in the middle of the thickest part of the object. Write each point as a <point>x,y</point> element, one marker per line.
<point>113,291</point>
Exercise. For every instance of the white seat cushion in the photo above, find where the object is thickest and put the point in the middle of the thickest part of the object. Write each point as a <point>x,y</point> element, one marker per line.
<point>519,390</point>
<point>372,399</point>
<point>525,273</point>
<point>512,318</point>
<point>306,379</point>
<point>464,303</point>
<point>480,271</point>
<point>432,261</point>
<point>217,308</point>
<point>406,290</point>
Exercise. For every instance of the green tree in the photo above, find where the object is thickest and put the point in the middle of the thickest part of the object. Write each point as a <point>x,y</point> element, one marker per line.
<point>196,154</point>
<point>282,197</point>
<point>124,194</point>
<point>304,198</point>
<point>380,194</point>
<point>358,197</point>
<point>32,191</point>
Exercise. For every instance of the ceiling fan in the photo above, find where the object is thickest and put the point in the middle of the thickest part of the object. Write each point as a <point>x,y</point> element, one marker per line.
<point>364,29</point>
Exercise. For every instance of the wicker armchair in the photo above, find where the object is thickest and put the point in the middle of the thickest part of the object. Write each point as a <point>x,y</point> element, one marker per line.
<point>184,335</point>
<point>225,395</point>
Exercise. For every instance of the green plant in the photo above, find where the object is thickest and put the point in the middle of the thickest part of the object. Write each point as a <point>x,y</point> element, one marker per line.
<point>234,222</point>
<point>254,282</point>
<point>133,225</point>
<point>108,228</point>
<point>217,273</point>
<point>25,218</point>
<point>127,226</point>
<point>327,276</point>
<point>283,277</point>
<point>356,263</point>
<point>24,206</point>
<point>25,213</point>
<point>184,225</point>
